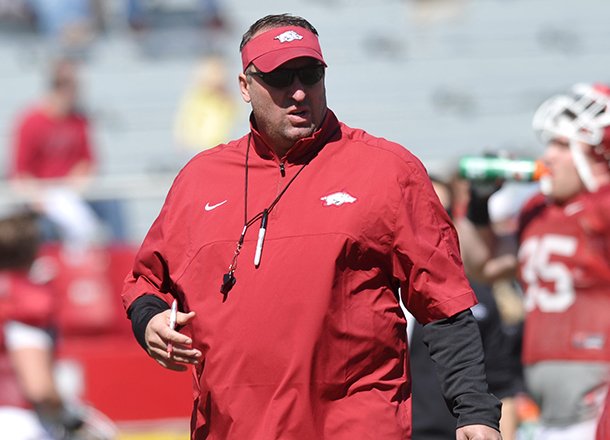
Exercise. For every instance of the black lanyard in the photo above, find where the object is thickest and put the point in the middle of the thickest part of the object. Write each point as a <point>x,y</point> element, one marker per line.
<point>228,279</point>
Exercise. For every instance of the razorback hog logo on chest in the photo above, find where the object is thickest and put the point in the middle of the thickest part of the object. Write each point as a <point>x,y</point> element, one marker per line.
<point>288,36</point>
<point>337,199</point>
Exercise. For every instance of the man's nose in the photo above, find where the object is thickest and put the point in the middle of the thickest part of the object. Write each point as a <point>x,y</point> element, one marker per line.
<point>297,90</point>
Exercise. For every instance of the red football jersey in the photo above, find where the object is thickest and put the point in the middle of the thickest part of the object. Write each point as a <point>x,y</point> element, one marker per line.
<point>23,300</point>
<point>564,268</point>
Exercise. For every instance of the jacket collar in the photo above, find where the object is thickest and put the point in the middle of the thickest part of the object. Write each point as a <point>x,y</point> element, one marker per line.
<point>304,149</point>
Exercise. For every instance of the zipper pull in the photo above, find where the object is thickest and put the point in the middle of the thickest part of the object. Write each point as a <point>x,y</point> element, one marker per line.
<point>282,169</point>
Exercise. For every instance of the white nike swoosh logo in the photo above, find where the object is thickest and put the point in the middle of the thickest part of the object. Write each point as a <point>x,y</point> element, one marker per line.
<point>209,207</point>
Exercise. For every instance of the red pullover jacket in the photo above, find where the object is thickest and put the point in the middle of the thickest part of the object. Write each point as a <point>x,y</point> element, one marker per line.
<point>312,343</point>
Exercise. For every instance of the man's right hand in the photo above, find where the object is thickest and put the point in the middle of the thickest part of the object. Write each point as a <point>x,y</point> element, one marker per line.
<point>158,335</point>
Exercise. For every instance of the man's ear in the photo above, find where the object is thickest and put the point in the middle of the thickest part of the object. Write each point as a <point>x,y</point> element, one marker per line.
<point>244,87</point>
<point>599,168</point>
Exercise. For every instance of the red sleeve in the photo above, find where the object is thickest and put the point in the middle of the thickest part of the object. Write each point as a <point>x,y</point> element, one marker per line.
<point>427,260</point>
<point>150,274</point>
<point>86,152</point>
<point>24,145</point>
<point>163,250</point>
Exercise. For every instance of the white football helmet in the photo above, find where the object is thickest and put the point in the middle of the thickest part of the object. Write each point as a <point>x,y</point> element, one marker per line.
<point>583,117</point>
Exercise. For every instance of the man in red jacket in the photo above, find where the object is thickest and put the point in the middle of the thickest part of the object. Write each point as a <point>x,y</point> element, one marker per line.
<point>287,251</point>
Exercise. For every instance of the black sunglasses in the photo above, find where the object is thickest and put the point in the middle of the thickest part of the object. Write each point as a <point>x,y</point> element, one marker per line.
<point>281,78</point>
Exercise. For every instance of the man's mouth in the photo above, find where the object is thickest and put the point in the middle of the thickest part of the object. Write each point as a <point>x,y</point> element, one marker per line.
<point>299,115</point>
<point>299,112</point>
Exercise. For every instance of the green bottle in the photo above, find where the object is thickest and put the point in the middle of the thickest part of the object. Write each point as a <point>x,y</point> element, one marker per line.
<point>498,168</point>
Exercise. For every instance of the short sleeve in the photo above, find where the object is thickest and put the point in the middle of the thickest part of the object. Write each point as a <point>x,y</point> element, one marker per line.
<point>426,256</point>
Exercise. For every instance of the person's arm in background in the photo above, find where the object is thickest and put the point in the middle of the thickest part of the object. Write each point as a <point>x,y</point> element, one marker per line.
<point>509,422</point>
<point>23,146</point>
<point>31,352</point>
<point>23,153</point>
<point>85,167</point>
<point>478,241</point>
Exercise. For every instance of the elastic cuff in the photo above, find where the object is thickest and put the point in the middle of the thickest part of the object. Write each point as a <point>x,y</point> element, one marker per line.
<point>478,409</point>
<point>141,312</point>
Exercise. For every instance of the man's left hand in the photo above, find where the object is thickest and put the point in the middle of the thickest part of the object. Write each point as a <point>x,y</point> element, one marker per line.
<point>477,432</point>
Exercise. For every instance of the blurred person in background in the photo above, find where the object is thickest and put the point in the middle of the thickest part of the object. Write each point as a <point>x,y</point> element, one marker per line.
<point>16,15</point>
<point>53,136</point>
<point>27,338</point>
<point>504,207</point>
<point>53,161</point>
<point>207,112</point>
<point>175,29</point>
<point>70,25</point>
<point>142,15</point>
<point>432,420</point>
<point>306,340</point>
<point>487,228</point>
<point>564,265</point>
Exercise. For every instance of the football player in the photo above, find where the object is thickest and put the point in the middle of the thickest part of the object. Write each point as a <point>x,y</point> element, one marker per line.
<point>27,343</point>
<point>564,265</point>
